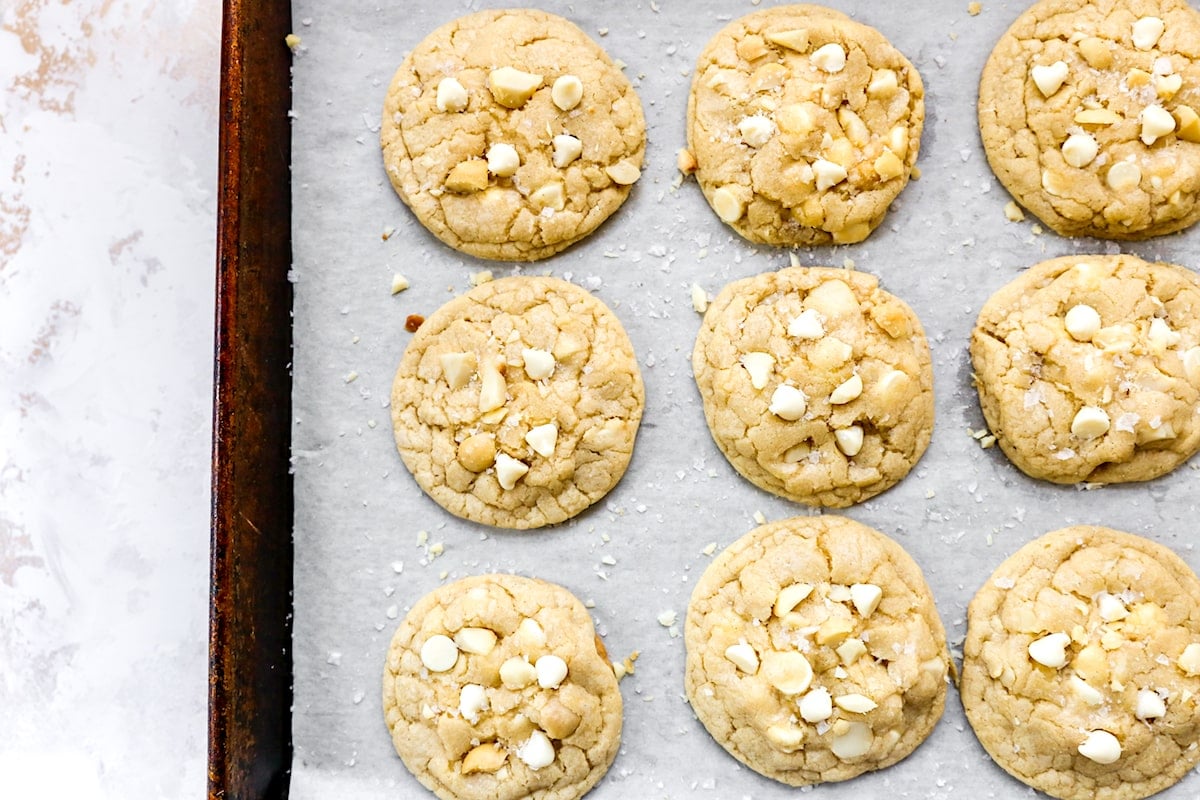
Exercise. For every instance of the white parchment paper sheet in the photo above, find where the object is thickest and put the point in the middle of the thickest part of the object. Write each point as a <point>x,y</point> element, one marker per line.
<point>945,247</point>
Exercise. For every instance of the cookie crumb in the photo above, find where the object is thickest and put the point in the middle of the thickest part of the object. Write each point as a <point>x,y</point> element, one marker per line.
<point>387,233</point>
<point>685,162</point>
<point>292,41</point>
<point>974,8</point>
<point>1013,212</point>
<point>481,277</point>
<point>399,283</point>
<point>412,322</point>
<point>667,618</point>
<point>760,518</point>
<point>709,548</point>
<point>915,173</point>
<point>351,376</point>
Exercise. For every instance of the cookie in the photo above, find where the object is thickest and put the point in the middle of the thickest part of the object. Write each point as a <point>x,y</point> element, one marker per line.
<point>1088,368</point>
<point>517,403</point>
<point>497,688</point>
<point>1088,114</point>
<point>817,384</point>
<point>814,651</point>
<point>511,134</point>
<point>1081,668</point>
<point>804,125</point>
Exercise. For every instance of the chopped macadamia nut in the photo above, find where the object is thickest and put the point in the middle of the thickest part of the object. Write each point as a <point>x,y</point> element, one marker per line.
<point>537,751</point>
<point>1161,336</point>
<point>791,596</point>
<point>792,40</point>
<point>788,671</point>
<point>1090,422</point>
<point>1157,122</point>
<point>759,365</point>
<point>539,364</point>
<point>487,757</point>
<point>1124,176</point>
<point>1189,660</point>
<point>1050,651</point>
<point>828,174</point>
<point>511,87</point>
<point>1080,149</point>
<point>567,148</point>
<point>743,657</point>
<point>477,452</point>
<point>1085,691</point>
<point>847,391</point>
<point>1111,608</point>
<point>888,165</point>
<point>1049,79</point>
<point>1146,32</point>
<point>699,299</point>
<point>1097,116</point>
<point>623,173</point>
<point>481,277</point>
<point>451,96</point>
<point>567,92</point>
<point>788,402</point>
<point>756,130</point>
<point>1191,365</point>
<point>884,84</point>
<point>509,470</point>
<point>786,738</point>
<point>551,671</point>
<point>493,390</point>
<point>1189,123</point>
<point>1096,52</point>
<point>439,653</point>
<point>399,283</point>
<point>1101,747</point>
<point>502,160</point>
<point>1013,212</point>
<point>685,162</point>
<point>476,641</point>
<point>728,204</point>
<point>865,597</point>
<point>1167,86</point>
<point>517,673</point>
<point>468,176</point>
<point>1082,322</point>
<point>829,58</point>
<point>855,703</point>
<point>550,196</point>
<point>850,651</point>
<point>808,325</point>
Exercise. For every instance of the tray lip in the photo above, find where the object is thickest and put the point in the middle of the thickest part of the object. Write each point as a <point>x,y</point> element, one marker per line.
<point>250,665</point>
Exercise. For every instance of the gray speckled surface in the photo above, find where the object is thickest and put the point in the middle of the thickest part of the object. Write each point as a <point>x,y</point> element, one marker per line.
<point>944,249</point>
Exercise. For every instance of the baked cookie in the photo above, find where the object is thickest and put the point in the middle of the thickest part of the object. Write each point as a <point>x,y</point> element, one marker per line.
<point>1081,668</point>
<point>1088,368</point>
<point>804,125</point>
<point>517,403</point>
<point>817,384</point>
<point>511,134</point>
<point>814,651</point>
<point>1088,114</point>
<point>497,688</point>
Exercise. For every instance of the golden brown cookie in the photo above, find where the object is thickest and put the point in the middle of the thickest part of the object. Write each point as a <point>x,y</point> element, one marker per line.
<point>511,134</point>
<point>1088,368</point>
<point>1081,668</point>
<point>497,688</point>
<point>804,125</point>
<point>814,651</point>
<point>517,403</point>
<point>1088,113</point>
<point>817,384</point>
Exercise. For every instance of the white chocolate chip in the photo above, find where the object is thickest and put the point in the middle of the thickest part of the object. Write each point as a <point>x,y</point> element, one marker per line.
<point>1101,747</point>
<point>511,87</point>
<point>476,641</point>
<point>807,325</point>
<point>493,390</point>
<point>1161,336</point>
<point>543,439</point>
<point>829,58</point>
<point>756,130</point>
<point>439,653</point>
<point>854,741</point>
<point>788,402</point>
<point>1191,365</point>
<point>457,368</point>
<point>509,470</point>
<point>849,440</point>
<point>502,160</point>
<point>1146,32</point>
<point>883,84</point>
<point>759,365</point>
<point>789,672</point>
<point>1049,79</point>
<point>537,751</point>
<point>1085,691</point>
<point>743,657</point>
<point>551,671</point>
<point>791,596</point>
<point>1149,705</point>
<point>623,173</point>
<point>1111,608</point>
<point>1050,651</point>
<point>1082,322</point>
<point>888,165</point>
<point>471,701</point>
<point>855,703</point>
<point>849,390</point>
<point>1090,422</point>
<point>728,204</point>
<point>1156,123</point>
<point>1080,149</point>
<point>567,92</point>
<point>828,174</point>
<point>531,633</point>
<point>851,650</point>
<point>399,283</point>
<point>451,96</point>
<point>1124,176</point>
<point>817,705</point>
<point>517,673</point>
<point>699,299</point>
<point>793,40</point>
<point>567,148</point>
<point>865,597</point>
<point>1167,86</point>
<point>1189,660</point>
<point>539,364</point>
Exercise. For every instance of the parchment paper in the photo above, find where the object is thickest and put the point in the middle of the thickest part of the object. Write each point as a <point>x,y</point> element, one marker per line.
<point>945,247</point>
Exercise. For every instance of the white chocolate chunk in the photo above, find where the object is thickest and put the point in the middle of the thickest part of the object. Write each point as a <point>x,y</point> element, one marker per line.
<point>789,672</point>
<point>743,657</point>
<point>759,365</point>
<point>567,148</point>
<point>849,440</point>
<point>1161,336</point>
<point>788,402</point>
<point>1124,176</point>
<point>1191,365</point>
<point>439,653</point>
<point>543,439</point>
<point>817,705</point>
<point>551,671</point>
<point>476,641</point>
<point>851,650</point>
<point>847,391</point>
<point>1111,608</point>
<point>567,92</point>
<point>853,742</point>
<point>807,325</point>
<point>531,633</point>
<point>855,703</point>
<point>511,87</point>
<point>756,130</point>
<point>865,597</point>
<point>1085,691</point>
<point>1090,422</point>
<point>786,738</point>
<point>1050,651</point>
<point>728,204</point>
<point>1149,705</point>
<point>1082,322</point>
<point>537,751</point>
<point>1157,122</point>
<point>793,40</point>
<point>1080,149</point>
<point>399,283</point>
<point>539,364</point>
<point>791,596</point>
<point>829,58</point>
<point>509,470</point>
<point>471,701</point>
<point>493,390</point>
<point>1146,32</point>
<point>883,84</point>
<point>502,160</point>
<point>457,368</point>
<point>699,299</point>
<point>517,673</point>
<point>1049,79</point>
<point>828,174</point>
<point>1189,660</point>
<point>1101,747</point>
<point>451,96</point>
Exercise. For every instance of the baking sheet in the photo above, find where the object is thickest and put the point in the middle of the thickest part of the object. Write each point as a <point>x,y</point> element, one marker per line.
<point>360,561</point>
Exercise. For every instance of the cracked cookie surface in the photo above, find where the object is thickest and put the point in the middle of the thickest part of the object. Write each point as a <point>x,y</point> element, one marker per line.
<point>511,134</point>
<point>517,403</point>
<point>1088,368</point>
<point>497,688</point>
<point>817,384</point>
<point>804,125</point>
<point>814,651</point>
<point>1088,115</point>
<point>1081,667</point>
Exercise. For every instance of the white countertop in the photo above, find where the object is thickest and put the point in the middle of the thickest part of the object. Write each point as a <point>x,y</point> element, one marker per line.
<point>108,166</point>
